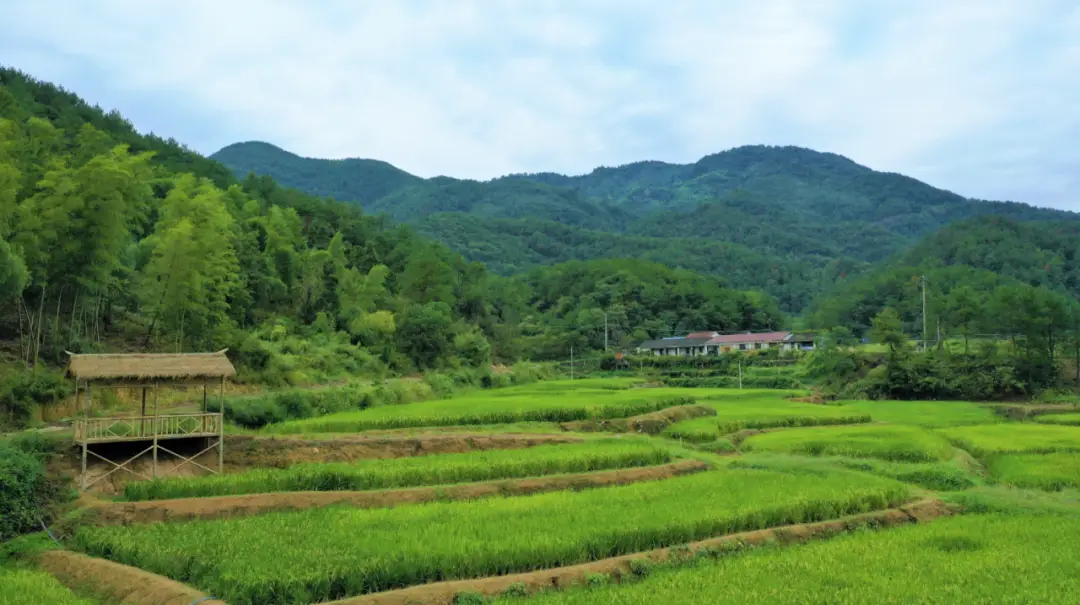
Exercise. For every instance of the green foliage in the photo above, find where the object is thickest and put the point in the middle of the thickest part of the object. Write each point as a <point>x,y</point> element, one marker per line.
<point>28,587</point>
<point>20,392</point>
<point>1070,419</point>
<point>413,471</point>
<point>27,495</point>
<point>314,555</point>
<point>1050,472</point>
<point>785,220</point>
<point>965,560</point>
<point>1006,438</point>
<point>886,442</point>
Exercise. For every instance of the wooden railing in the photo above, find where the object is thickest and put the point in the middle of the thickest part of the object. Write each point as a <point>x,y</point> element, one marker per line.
<point>137,428</point>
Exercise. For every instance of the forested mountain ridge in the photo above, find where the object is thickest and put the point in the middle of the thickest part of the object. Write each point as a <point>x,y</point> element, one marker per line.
<point>963,263</point>
<point>796,208</point>
<point>111,240</point>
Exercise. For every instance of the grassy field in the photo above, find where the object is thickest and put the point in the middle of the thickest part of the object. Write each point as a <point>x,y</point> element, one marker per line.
<point>25,587</point>
<point>319,554</point>
<point>1069,419</point>
<point>496,407</point>
<point>409,472</point>
<point>887,442</point>
<point>1014,438</point>
<point>761,410</point>
<point>976,560</point>
<point>925,413</point>
<point>945,476</point>
<point>1038,471</point>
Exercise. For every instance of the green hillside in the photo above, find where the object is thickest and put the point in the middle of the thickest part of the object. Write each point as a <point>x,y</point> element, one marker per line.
<point>111,240</point>
<point>964,263</point>
<point>797,211</point>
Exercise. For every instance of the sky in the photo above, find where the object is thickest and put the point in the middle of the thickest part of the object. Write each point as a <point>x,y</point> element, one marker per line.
<point>981,97</point>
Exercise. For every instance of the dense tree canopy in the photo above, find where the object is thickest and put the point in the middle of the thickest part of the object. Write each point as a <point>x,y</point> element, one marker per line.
<point>786,220</point>
<point>111,240</point>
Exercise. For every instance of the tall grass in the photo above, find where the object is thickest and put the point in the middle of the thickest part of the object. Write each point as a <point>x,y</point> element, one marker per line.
<point>410,472</point>
<point>1014,438</point>
<point>969,560</point>
<point>1068,419</point>
<point>944,476</point>
<point>319,554</point>
<point>887,442</point>
<point>925,413</point>
<point>25,587</point>
<point>1050,472</point>
<point>485,408</point>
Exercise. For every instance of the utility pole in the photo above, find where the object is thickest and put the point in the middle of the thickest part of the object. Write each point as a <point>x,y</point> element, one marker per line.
<point>605,331</point>
<point>571,362</point>
<point>923,280</point>
<point>740,374</point>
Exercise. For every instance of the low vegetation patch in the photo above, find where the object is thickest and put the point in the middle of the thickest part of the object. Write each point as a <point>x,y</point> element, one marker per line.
<point>494,408</point>
<point>1049,472</point>
<point>321,554</point>
<point>944,476</point>
<point>1066,419</point>
<point>986,440</point>
<point>886,442</point>
<point>412,471</point>
<point>925,413</point>
<point>26,587</point>
<point>964,560</point>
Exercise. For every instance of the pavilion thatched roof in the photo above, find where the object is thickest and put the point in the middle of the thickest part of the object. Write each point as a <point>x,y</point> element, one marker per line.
<point>150,366</point>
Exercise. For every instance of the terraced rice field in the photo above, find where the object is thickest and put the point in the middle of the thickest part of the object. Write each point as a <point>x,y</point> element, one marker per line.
<point>1069,419</point>
<point>314,555</point>
<point>1037,471</point>
<point>986,440</point>
<point>444,469</point>
<point>812,463</point>
<point>887,442</point>
<point>977,560</point>
<point>25,587</point>
<point>485,408</point>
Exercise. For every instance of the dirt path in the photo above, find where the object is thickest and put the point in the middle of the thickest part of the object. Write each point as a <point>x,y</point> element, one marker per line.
<point>443,593</point>
<point>124,513</point>
<point>118,583</point>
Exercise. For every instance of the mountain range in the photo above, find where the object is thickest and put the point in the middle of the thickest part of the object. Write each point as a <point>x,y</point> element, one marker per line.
<point>787,220</point>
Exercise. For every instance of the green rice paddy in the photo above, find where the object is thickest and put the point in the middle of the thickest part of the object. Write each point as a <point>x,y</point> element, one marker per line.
<point>887,442</point>
<point>443,469</point>
<point>321,554</point>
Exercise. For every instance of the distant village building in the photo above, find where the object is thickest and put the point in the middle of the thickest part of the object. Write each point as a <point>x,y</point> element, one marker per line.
<point>714,343</point>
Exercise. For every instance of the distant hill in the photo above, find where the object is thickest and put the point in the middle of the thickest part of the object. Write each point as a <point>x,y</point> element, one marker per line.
<point>802,211</point>
<point>980,253</point>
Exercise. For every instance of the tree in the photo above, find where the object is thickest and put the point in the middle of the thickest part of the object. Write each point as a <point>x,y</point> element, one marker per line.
<point>426,333</point>
<point>887,330</point>
<point>964,308</point>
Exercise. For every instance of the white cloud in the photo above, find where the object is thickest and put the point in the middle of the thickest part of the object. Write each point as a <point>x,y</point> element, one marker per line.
<point>974,95</point>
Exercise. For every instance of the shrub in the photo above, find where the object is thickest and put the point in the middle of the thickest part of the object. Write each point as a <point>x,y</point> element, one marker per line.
<point>26,494</point>
<point>21,392</point>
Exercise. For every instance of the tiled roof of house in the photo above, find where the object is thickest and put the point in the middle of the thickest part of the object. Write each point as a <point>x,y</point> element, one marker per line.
<point>702,334</point>
<point>666,343</point>
<point>751,337</point>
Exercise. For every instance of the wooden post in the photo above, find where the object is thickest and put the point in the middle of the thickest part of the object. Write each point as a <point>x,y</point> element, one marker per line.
<point>144,402</point>
<point>221,428</point>
<point>204,396</point>
<point>154,424</point>
<point>85,436</point>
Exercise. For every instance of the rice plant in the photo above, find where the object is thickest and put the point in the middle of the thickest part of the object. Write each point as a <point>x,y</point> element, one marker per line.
<point>887,442</point>
<point>969,560</point>
<point>1069,419</point>
<point>1049,472</point>
<point>26,587</point>
<point>320,554</point>
<point>414,471</point>
<point>1009,438</point>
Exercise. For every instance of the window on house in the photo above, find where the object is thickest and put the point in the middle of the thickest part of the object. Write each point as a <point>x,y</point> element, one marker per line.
<point>742,347</point>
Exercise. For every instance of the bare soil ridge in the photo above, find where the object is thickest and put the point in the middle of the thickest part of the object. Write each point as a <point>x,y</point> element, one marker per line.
<point>619,568</point>
<point>118,583</point>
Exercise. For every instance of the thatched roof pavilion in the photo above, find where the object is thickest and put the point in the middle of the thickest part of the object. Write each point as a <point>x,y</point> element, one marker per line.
<point>149,371</point>
<point>150,367</point>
